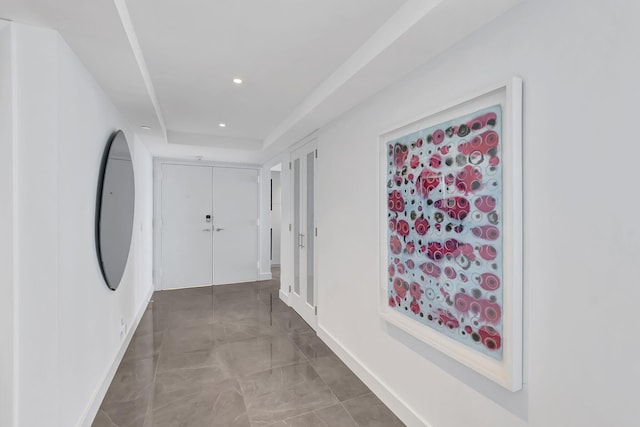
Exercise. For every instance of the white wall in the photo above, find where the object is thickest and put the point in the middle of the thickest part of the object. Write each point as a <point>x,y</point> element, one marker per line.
<point>265,224</point>
<point>6,228</point>
<point>36,231</point>
<point>68,320</point>
<point>276,217</point>
<point>580,64</point>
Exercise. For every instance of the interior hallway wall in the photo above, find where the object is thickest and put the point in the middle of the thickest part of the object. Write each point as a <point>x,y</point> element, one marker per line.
<point>6,229</point>
<point>580,65</point>
<point>276,217</point>
<point>68,321</point>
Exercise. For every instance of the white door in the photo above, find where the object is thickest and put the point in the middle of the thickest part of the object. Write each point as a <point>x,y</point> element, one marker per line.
<point>235,220</point>
<point>303,295</point>
<point>186,239</point>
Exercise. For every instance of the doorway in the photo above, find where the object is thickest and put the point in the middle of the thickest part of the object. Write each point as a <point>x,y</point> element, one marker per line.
<point>303,296</point>
<point>275,230</point>
<point>208,225</point>
<point>276,216</point>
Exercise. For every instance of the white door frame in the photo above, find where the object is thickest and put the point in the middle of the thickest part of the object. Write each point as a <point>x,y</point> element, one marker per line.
<point>157,205</point>
<point>299,303</point>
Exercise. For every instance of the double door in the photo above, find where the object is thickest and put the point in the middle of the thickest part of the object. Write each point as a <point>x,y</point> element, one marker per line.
<point>303,296</point>
<point>209,225</point>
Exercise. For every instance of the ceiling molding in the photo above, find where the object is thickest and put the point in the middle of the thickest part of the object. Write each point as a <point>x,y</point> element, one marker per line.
<point>190,152</point>
<point>96,34</point>
<point>125,19</point>
<point>415,34</point>
<point>214,141</point>
<point>405,18</point>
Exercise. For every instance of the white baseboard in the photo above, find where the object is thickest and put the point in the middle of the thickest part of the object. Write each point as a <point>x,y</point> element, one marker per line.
<point>265,276</point>
<point>91,411</point>
<point>284,297</point>
<point>379,388</point>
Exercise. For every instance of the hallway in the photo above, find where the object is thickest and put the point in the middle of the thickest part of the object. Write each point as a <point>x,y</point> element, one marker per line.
<point>233,355</point>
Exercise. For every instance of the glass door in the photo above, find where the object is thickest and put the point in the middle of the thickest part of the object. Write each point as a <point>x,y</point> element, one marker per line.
<point>304,292</point>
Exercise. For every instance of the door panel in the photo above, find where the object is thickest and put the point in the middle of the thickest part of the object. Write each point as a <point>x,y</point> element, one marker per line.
<point>303,297</point>
<point>297,219</point>
<point>187,248</point>
<point>310,223</point>
<point>235,220</point>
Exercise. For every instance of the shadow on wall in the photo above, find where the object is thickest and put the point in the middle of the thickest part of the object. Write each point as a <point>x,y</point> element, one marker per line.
<point>516,403</point>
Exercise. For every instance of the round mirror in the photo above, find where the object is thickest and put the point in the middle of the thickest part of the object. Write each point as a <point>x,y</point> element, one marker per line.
<point>114,209</point>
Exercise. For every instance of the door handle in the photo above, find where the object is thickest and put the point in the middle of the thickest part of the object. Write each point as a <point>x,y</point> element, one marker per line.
<point>206,229</point>
<point>301,240</point>
<point>219,229</point>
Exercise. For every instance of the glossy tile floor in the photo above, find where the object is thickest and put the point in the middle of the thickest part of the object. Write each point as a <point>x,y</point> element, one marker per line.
<point>234,356</point>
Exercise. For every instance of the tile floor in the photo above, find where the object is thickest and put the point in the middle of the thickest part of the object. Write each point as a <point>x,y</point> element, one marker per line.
<point>234,356</point>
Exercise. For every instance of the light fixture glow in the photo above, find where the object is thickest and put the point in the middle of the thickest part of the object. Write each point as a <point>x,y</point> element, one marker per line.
<point>237,81</point>
<point>222,125</point>
<point>145,127</point>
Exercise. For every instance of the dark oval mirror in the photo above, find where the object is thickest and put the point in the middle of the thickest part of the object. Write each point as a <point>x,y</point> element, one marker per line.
<point>114,209</point>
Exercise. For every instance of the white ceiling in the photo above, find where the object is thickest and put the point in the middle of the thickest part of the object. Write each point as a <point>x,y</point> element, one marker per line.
<point>282,49</point>
<point>169,64</point>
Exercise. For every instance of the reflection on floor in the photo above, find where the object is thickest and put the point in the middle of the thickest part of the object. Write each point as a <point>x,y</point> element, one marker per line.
<point>230,356</point>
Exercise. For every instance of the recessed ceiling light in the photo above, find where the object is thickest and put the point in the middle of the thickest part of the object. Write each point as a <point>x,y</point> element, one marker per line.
<point>237,81</point>
<point>222,125</point>
<point>145,127</point>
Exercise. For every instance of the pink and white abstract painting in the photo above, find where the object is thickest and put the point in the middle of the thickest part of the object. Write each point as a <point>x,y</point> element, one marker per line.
<point>445,232</point>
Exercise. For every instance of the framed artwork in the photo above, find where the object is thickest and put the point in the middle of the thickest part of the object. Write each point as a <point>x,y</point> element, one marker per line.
<point>451,231</point>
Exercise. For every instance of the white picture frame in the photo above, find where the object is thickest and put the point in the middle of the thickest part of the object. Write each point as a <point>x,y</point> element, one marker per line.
<point>508,371</point>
